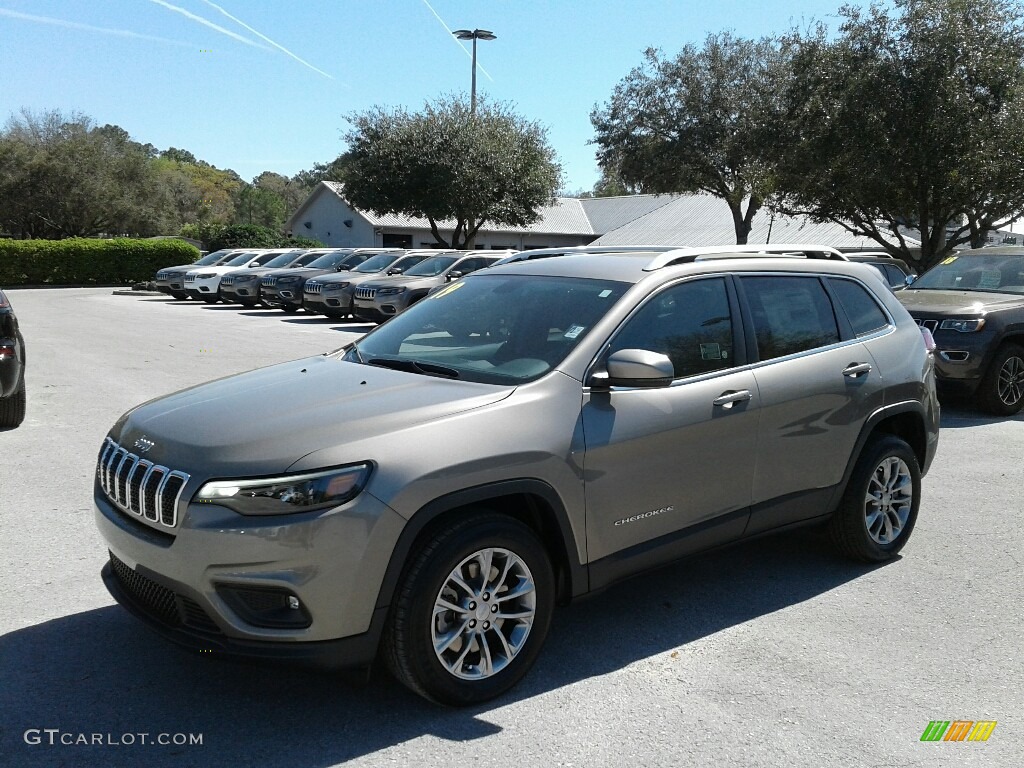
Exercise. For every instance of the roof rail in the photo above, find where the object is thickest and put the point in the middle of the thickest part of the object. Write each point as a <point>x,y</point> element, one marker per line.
<point>793,250</point>
<point>571,250</point>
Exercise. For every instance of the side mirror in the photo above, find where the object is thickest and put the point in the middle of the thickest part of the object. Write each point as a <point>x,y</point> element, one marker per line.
<point>396,271</point>
<point>454,276</point>
<point>636,368</point>
<point>343,268</point>
<point>910,279</point>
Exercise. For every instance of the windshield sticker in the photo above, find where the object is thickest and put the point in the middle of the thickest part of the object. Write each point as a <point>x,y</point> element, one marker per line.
<point>574,331</point>
<point>604,294</point>
<point>950,260</point>
<point>712,352</point>
<point>446,290</point>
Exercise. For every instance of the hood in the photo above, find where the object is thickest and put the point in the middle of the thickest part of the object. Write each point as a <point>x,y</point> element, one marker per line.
<point>950,302</point>
<point>403,280</point>
<point>263,421</point>
<point>305,272</point>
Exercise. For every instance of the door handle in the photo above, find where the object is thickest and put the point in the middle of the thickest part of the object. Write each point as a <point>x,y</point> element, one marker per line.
<point>729,399</point>
<point>853,370</point>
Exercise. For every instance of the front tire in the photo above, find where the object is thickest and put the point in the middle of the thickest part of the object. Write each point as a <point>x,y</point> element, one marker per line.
<point>1002,390</point>
<point>472,610</point>
<point>879,506</point>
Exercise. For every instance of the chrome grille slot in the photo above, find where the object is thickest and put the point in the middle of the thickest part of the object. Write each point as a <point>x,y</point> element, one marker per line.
<point>127,467</point>
<point>135,484</point>
<point>149,493</point>
<point>138,486</point>
<point>169,495</point>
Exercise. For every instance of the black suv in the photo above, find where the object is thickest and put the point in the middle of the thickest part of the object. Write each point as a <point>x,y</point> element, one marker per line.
<point>12,367</point>
<point>973,303</point>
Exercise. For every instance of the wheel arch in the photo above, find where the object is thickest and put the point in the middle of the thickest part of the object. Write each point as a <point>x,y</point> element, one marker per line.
<point>906,421</point>
<point>530,501</point>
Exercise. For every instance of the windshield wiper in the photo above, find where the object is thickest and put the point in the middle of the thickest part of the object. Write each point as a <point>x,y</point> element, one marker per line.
<point>414,366</point>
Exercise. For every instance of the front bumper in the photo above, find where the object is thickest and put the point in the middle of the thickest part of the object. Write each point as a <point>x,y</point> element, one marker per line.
<point>207,288</point>
<point>961,359</point>
<point>337,303</point>
<point>286,296</point>
<point>355,651</point>
<point>247,293</point>
<point>332,561</point>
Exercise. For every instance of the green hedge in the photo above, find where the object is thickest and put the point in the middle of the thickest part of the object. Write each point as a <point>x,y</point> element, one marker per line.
<point>82,261</point>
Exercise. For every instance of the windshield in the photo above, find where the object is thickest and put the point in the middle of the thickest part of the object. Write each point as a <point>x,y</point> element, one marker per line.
<point>435,265</point>
<point>240,260</point>
<point>210,258</point>
<point>1001,273</point>
<point>376,263</point>
<point>281,260</point>
<point>330,260</point>
<point>495,329</point>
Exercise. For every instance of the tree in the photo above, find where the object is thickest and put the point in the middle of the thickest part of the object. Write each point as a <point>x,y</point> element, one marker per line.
<point>693,123</point>
<point>456,169</point>
<point>912,116</point>
<point>61,176</point>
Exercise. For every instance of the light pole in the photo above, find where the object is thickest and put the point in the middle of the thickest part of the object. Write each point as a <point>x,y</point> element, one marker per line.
<point>474,35</point>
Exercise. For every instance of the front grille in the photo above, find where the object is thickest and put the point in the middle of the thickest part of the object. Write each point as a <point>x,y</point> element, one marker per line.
<point>268,282</point>
<point>190,278</point>
<point>160,602</point>
<point>227,280</point>
<point>314,289</point>
<point>139,486</point>
<point>931,325</point>
<point>366,293</point>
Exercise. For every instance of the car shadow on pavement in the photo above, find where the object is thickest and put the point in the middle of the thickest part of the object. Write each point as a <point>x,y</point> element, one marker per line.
<point>960,415</point>
<point>103,672</point>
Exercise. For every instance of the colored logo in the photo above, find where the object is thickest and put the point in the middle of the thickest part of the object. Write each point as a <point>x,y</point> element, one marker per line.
<point>958,730</point>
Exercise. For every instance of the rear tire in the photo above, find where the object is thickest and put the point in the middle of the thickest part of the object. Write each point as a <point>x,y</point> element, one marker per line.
<point>1001,391</point>
<point>879,506</point>
<point>472,610</point>
<point>12,408</point>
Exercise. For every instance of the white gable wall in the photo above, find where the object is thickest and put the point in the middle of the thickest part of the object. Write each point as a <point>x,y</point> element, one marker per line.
<point>327,214</point>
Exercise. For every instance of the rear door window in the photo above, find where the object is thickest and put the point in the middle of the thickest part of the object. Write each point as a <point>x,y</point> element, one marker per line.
<point>790,314</point>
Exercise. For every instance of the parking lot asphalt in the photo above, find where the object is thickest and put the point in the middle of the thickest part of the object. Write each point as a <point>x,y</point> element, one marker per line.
<point>773,653</point>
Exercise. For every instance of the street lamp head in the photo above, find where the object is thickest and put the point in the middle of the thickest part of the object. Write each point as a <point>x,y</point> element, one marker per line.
<point>474,34</point>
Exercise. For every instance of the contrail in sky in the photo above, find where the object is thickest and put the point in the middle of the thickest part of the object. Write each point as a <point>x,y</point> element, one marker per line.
<point>89,27</point>
<point>267,39</point>
<point>457,42</point>
<point>209,24</point>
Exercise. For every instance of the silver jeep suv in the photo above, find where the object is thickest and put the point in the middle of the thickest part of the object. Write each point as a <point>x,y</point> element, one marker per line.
<point>523,436</point>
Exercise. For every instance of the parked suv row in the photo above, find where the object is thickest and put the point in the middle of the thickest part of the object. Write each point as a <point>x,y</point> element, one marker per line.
<point>522,436</point>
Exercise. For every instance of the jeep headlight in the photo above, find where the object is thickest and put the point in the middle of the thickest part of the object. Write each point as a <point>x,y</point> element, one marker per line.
<point>963,326</point>
<point>332,287</point>
<point>389,291</point>
<point>205,275</point>
<point>287,494</point>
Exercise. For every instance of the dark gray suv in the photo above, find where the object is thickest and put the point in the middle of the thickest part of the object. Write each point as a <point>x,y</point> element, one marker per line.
<point>523,436</point>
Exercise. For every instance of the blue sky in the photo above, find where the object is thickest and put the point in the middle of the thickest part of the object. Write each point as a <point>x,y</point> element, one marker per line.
<point>241,99</point>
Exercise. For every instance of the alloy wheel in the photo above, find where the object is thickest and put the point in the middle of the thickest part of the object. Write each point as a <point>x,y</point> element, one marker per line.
<point>483,614</point>
<point>889,498</point>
